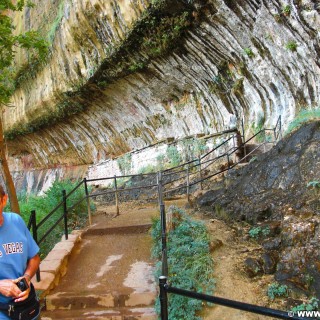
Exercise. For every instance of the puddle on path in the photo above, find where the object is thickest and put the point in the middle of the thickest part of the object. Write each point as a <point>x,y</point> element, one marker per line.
<point>107,267</point>
<point>104,269</point>
<point>140,277</point>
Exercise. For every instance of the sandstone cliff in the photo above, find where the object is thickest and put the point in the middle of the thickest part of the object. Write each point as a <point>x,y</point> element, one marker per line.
<point>126,74</point>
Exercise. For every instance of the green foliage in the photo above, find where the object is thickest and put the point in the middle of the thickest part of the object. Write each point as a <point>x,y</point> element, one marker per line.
<point>311,305</point>
<point>193,148</point>
<point>156,33</point>
<point>286,10</point>
<point>189,262</point>
<point>160,161</point>
<point>257,232</point>
<point>173,156</point>
<point>160,33</point>
<point>147,169</point>
<point>248,52</point>
<point>30,41</point>
<point>304,116</point>
<point>253,159</point>
<point>64,109</point>
<point>124,163</point>
<point>277,290</point>
<point>44,204</point>
<point>136,66</point>
<point>291,45</point>
<point>314,184</point>
<point>55,24</point>
<point>261,137</point>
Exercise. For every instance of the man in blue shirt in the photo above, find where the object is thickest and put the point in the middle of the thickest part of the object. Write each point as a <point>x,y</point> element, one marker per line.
<point>18,255</point>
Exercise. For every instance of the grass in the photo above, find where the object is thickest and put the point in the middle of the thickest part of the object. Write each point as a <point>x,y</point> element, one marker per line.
<point>304,116</point>
<point>189,262</point>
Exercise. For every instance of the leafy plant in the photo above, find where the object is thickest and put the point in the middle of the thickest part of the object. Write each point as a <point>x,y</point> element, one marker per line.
<point>248,52</point>
<point>160,161</point>
<point>29,41</point>
<point>277,290</point>
<point>256,232</point>
<point>147,169</point>
<point>258,129</point>
<point>136,66</point>
<point>124,163</point>
<point>173,156</point>
<point>314,184</point>
<point>286,10</point>
<point>302,117</point>
<point>310,305</point>
<point>292,46</point>
<point>55,23</point>
<point>253,159</point>
<point>189,262</point>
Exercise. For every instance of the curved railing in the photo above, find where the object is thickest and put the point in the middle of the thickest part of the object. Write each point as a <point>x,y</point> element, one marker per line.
<point>187,175</point>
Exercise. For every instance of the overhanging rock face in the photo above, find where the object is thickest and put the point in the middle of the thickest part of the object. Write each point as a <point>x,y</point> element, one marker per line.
<point>125,74</point>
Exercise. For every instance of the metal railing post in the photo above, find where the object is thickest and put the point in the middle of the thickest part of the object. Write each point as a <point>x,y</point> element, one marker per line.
<point>188,183</point>
<point>116,195</point>
<point>88,200</point>
<point>35,237</point>
<point>228,158</point>
<point>280,127</point>
<point>243,139</point>
<point>200,173</point>
<point>163,297</point>
<point>234,148</point>
<point>163,226</point>
<point>65,213</point>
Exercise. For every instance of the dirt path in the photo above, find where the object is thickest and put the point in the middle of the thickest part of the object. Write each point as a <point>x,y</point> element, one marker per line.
<point>231,282</point>
<point>110,263</point>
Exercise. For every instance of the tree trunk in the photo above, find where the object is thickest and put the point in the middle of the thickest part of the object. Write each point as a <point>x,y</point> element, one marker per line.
<point>14,204</point>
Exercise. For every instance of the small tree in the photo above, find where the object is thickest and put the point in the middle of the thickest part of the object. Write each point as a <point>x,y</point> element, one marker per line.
<point>37,48</point>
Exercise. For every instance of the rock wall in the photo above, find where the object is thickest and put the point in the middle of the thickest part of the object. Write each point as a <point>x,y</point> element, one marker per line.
<point>279,193</point>
<point>126,74</point>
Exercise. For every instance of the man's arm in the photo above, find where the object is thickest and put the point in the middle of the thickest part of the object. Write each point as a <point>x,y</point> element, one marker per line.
<point>9,288</point>
<point>32,267</point>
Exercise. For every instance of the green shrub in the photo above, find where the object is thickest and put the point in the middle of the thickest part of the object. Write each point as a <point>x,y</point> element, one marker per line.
<point>147,169</point>
<point>314,184</point>
<point>257,232</point>
<point>77,216</point>
<point>124,163</point>
<point>173,156</point>
<point>291,45</point>
<point>189,262</point>
<point>286,10</point>
<point>311,305</point>
<point>160,161</point>
<point>277,290</point>
<point>248,52</point>
<point>304,116</point>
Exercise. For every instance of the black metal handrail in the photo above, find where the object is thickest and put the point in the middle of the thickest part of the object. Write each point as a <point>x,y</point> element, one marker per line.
<point>32,223</point>
<point>228,154</point>
<point>166,288</point>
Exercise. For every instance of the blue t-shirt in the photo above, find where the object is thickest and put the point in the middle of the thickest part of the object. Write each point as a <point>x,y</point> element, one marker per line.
<point>16,247</point>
